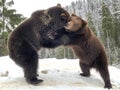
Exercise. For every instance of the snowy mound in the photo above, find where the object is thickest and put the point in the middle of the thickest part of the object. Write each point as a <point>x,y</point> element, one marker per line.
<point>57,75</point>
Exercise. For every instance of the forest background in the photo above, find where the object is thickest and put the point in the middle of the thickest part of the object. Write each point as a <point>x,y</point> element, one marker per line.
<point>103,17</point>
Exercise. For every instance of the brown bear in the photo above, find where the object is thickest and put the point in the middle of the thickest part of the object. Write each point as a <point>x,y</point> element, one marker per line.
<point>86,46</point>
<point>29,36</point>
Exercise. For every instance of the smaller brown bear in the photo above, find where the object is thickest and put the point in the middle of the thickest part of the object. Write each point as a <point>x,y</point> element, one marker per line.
<point>86,46</point>
<point>89,49</point>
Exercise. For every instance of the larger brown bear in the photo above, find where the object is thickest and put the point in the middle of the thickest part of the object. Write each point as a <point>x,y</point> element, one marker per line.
<point>86,46</point>
<point>29,36</point>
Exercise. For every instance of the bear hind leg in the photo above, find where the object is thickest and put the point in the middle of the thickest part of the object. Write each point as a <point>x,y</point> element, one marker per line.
<point>28,60</point>
<point>30,71</point>
<point>102,67</point>
<point>85,69</point>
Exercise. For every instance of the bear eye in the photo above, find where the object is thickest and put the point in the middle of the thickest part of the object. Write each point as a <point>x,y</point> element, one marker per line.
<point>63,17</point>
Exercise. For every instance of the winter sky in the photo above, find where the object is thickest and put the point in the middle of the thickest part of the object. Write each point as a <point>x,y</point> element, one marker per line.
<point>26,7</point>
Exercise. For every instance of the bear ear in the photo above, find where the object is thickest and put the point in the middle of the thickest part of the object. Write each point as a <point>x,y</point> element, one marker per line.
<point>63,16</point>
<point>58,5</point>
<point>84,23</point>
<point>73,14</point>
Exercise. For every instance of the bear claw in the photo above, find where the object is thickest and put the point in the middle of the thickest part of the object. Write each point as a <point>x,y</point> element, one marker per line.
<point>85,75</point>
<point>34,81</point>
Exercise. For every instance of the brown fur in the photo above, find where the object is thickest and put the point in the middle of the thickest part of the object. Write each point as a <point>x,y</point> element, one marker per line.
<point>89,49</point>
<point>29,37</point>
<point>86,46</point>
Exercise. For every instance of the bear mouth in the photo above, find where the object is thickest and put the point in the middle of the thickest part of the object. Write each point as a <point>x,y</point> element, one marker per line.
<point>66,25</point>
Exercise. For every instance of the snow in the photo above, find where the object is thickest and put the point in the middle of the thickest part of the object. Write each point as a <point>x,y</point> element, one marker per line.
<point>57,75</point>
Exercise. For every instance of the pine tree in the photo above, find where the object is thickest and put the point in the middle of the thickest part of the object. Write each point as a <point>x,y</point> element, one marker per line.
<point>9,19</point>
<point>108,31</point>
<point>91,23</point>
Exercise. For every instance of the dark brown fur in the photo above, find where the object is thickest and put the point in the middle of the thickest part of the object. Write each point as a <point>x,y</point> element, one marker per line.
<point>29,36</point>
<point>86,46</point>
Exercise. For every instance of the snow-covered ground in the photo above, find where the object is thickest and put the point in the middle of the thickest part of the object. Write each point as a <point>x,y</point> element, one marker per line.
<point>57,75</point>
